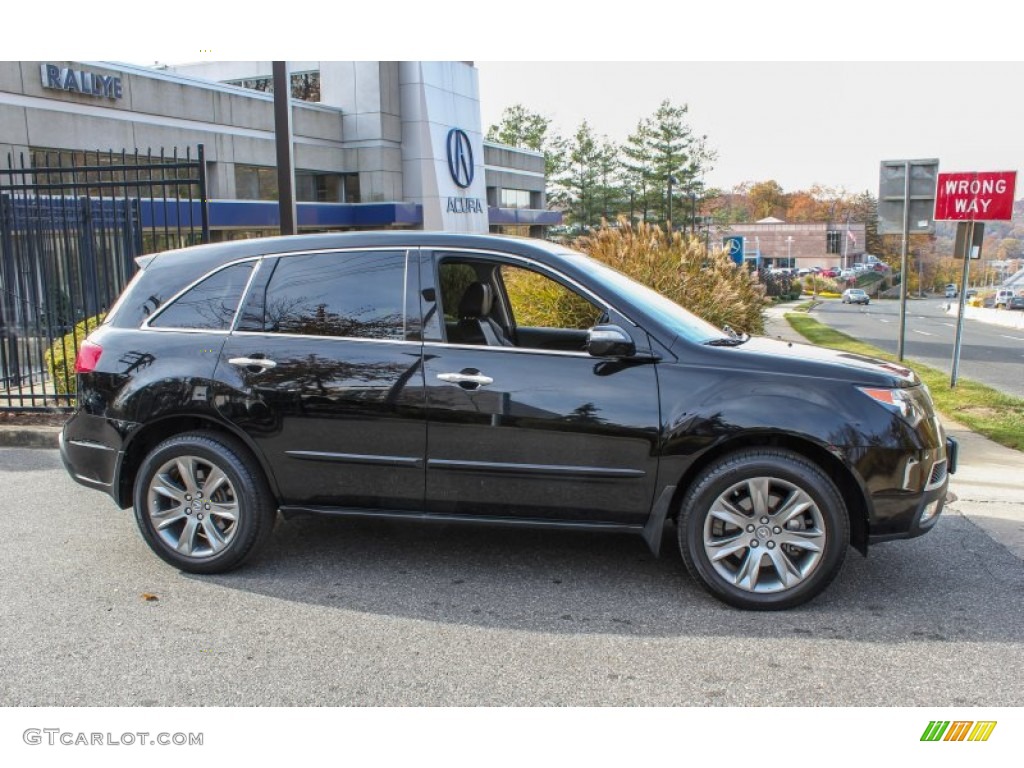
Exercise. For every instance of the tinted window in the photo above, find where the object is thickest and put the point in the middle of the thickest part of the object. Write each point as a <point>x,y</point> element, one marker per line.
<point>357,295</point>
<point>209,305</point>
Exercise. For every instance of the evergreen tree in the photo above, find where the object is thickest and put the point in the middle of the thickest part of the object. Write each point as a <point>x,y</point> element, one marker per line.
<point>519,127</point>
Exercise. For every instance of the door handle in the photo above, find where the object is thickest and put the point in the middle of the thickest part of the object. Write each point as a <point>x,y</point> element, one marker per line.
<point>253,362</point>
<point>466,380</point>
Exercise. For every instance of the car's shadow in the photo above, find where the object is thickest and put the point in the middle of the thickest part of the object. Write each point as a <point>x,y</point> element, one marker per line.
<point>953,584</point>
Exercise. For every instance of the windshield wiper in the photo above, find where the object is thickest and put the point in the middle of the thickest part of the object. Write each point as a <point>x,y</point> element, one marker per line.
<point>733,342</point>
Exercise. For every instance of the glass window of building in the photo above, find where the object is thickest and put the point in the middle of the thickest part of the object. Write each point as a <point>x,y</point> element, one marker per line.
<point>350,182</point>
<point>114,174</point>
<point>253,182</point>
<point>305,85</point>
<point>835,241</point>
<point>514,198</point>
<point>313,187</point>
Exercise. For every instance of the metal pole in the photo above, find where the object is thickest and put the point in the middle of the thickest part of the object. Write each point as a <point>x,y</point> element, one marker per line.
<point>963,303</point>
<point>283,140</point>
<point>903,262</point>
<point>204,199</point>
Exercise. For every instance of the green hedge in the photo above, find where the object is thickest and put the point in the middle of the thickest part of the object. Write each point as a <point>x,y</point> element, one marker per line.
<point>60,357</point>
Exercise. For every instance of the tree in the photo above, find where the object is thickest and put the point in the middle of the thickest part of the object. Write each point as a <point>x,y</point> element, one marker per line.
<point>579,185</point>
<point>609,183</point>
<point>767,199</point>
<point>665,145</point>
<point>638,166</point>
<point>519,127</point>
<point>864,207</point>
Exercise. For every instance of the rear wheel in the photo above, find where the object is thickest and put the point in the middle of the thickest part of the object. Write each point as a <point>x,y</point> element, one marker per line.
<point>763,529</point>
<point>202,503</point>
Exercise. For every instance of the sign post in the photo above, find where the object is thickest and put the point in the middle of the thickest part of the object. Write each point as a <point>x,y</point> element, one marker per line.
<point>906,194</point>
<point>970,198</point>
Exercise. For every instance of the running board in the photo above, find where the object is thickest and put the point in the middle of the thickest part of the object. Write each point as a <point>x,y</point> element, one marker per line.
<point>501,522</point>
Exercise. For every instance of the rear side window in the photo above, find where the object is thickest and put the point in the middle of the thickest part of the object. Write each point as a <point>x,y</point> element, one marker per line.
<point>350,294</point>
<point>208,305</point>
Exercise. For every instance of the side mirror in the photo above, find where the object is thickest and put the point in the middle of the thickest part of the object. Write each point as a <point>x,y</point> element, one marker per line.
<point>609,341</point>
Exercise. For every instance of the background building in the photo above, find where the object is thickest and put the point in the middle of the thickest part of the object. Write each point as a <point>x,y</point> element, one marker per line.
<point>774,243</point>
<point>377,144</point>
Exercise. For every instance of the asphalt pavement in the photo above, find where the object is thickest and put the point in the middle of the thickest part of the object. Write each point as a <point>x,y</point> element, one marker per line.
<point>360,612</point>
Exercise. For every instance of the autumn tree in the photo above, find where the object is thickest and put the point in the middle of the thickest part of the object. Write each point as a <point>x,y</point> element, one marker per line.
<point>767,199</point>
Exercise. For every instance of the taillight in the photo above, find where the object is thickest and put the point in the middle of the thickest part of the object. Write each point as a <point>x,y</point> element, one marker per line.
<point>88,356</point>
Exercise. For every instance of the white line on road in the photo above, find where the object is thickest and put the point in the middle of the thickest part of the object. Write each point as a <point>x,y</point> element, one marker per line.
<point>923,333</point>
<point>882,321</point>
<point>949,325</point>
<point>1015,338</point>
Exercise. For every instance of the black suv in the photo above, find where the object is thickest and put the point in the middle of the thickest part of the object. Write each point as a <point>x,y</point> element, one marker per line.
<point>399,375</point>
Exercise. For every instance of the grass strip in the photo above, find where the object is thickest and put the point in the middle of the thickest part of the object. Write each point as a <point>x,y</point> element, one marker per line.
<point>994,414</point>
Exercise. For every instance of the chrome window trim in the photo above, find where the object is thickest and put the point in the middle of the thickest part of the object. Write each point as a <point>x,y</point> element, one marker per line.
<point>188,330</point>
<point>363,339</point>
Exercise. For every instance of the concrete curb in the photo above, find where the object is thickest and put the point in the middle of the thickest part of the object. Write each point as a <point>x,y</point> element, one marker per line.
<point>40,436</point>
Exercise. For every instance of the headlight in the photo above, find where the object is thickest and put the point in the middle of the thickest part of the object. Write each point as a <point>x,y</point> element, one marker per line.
<point>899,400</point>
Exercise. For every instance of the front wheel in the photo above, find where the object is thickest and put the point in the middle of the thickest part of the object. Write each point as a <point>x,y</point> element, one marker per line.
<point>202,503</point>
<point>763,529</point>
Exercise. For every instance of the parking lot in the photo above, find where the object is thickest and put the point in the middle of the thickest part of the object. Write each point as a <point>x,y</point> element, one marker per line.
<point>343,612</point>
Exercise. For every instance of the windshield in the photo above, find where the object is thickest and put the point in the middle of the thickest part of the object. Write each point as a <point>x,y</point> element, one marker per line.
<point>672,316</point>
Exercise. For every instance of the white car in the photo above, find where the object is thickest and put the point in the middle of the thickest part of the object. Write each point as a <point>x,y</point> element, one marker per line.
<point>855,296</point>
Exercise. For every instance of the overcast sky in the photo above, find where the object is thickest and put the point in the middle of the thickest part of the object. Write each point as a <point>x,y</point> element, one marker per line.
<point>798,123</point>
<point>819,120</point>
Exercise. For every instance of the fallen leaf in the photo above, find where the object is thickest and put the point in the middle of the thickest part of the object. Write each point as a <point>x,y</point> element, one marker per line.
<point>149,597</point>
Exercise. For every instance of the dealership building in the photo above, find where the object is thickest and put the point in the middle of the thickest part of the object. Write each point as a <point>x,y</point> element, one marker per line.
<point>376,144</point>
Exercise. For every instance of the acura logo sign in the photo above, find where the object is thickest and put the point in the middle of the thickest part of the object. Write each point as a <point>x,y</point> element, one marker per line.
<point>460,157</point>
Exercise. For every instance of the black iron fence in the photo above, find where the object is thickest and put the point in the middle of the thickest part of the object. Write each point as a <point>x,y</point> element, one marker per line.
<point>71,226</point>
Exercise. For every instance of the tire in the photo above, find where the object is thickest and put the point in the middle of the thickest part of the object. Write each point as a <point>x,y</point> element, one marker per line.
<point>192,526</point>
<point>746,559</point>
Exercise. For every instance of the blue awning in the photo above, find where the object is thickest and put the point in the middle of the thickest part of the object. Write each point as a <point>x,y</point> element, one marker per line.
<point>522,216</point>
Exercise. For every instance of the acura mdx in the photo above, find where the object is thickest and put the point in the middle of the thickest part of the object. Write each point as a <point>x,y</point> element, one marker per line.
<point>405,375</point>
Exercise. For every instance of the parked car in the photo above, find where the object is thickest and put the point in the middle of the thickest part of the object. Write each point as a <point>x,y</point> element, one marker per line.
<point>951,291</point>
<point>830,272</point>
<point>1016,302</point>
<point>856,296</point>
<point>396,375</point>
<point>1002,298</point>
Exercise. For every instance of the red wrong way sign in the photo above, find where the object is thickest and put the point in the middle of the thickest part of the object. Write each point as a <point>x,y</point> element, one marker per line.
<point>975,196</point>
